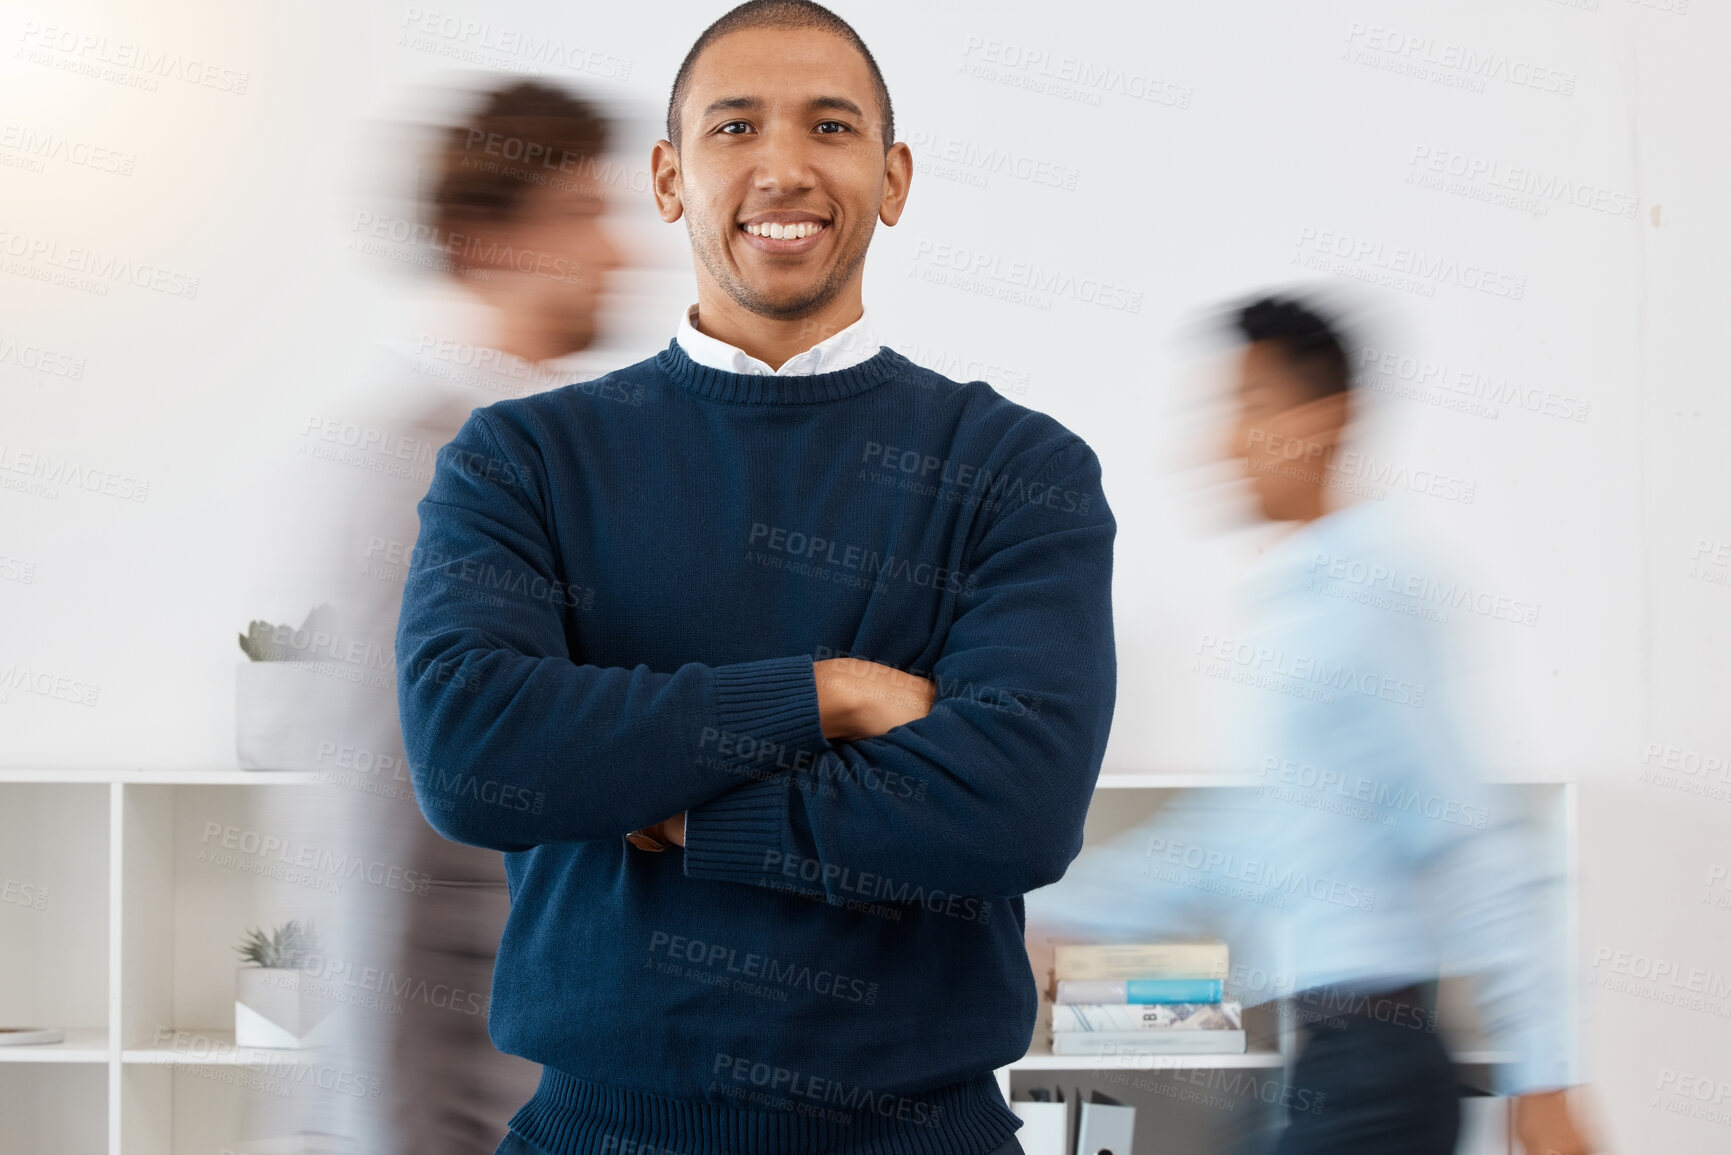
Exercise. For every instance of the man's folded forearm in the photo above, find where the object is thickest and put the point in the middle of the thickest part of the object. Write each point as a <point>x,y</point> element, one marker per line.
<point>510,751</point>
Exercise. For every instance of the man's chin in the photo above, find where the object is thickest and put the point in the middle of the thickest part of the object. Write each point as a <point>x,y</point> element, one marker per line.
<point>785,303</point>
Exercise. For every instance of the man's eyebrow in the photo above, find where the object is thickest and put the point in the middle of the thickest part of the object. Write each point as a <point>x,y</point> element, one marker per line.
<point>839,103</point>
<point>733,103</point>
<point>753,104</point>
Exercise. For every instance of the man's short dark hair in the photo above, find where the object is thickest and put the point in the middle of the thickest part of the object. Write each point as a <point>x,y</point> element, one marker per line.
<point>783,14</point>
<point>1313,345</point>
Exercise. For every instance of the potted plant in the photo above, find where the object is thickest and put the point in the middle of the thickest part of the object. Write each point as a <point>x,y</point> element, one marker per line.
<point>274,1005</point>
<point>295,693</point>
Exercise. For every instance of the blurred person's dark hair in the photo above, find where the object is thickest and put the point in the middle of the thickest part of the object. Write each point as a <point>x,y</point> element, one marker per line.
<point>1313,344</point>
<point>522,137</point>
<point>784,14</point>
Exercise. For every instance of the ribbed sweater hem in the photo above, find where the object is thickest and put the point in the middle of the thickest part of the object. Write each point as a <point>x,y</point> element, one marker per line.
<point>572,1116</point>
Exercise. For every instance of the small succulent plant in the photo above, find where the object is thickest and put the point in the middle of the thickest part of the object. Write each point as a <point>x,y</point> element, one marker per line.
<point>290,947</point>
<point>265,642</point>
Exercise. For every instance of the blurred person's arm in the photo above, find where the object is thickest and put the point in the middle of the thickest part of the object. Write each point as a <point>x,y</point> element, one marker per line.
<point>1496,891</point>
<point>1492,878</point>
<point>1479,858</point>
<point>512,740</point>
<point>1499,892</point>
<point>986,794</point>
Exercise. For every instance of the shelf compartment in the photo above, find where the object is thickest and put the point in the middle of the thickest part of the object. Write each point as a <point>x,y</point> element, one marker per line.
<point>58,1107</point>
<point>54,916</point>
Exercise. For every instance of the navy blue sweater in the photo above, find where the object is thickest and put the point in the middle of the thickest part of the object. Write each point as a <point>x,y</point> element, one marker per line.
<point>615,603</point>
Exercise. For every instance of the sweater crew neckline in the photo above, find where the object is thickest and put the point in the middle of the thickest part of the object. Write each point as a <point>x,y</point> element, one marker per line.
<point>756,389</point>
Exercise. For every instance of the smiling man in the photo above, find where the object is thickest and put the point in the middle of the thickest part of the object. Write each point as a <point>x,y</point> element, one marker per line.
<point>780,188</point>
<point>846,621</point>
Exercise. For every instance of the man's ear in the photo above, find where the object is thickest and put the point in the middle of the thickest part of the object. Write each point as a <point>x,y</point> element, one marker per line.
<point>898,174</point>
<point>664,168</point>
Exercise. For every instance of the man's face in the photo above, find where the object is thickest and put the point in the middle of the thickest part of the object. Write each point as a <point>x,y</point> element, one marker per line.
<point>547,265</point>
<point>561,231</point>
<point>1282,434</point>
<point>780,133</point>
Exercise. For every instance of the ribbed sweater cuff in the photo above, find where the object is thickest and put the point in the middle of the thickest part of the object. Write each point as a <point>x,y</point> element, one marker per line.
<point>767,728</point>
<point>766,716</point>
<point>732,837</point>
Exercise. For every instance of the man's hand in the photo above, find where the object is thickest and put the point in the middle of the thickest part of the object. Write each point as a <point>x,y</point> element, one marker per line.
<point>860,699</point>
<point>1545,1126</point>
<point>669,829</point>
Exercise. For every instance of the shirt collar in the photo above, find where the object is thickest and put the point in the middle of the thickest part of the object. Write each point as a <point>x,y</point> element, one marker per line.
<point>841,350</point>
<point>1360,530</point>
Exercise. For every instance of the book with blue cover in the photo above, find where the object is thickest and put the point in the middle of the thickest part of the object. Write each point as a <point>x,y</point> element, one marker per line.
<point>1197,990</point>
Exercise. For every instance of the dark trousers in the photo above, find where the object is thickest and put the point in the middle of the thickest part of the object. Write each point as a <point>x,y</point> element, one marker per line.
<point>515,1144</point>
<point>1385,1088</point>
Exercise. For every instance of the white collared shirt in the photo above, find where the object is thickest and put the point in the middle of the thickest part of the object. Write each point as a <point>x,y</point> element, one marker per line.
<point>841,351</point>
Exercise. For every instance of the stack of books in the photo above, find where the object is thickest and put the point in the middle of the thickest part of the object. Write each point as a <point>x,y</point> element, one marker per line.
<point>1158,998</point>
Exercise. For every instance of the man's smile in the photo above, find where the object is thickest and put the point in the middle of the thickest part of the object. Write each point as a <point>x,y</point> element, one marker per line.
<point>785,232</point>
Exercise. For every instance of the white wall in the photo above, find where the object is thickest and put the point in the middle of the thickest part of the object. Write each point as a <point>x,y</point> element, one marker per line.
<point>1208,149</point>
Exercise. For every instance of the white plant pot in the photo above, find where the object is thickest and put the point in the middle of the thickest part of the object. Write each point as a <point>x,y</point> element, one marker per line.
<point>276,1007</point>
<point>290,715</point>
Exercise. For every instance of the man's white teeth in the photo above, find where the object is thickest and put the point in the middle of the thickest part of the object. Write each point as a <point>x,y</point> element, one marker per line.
<point>781,232</point>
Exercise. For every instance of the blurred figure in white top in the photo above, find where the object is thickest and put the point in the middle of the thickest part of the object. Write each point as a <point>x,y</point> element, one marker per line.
<point>515,203</point>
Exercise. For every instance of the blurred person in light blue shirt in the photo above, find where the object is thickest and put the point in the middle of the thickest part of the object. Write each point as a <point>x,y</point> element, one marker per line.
<point>1370,855</point>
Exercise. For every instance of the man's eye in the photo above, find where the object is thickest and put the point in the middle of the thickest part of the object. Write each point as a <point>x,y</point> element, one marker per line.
<point>733,124</point>
<point>829,124</point>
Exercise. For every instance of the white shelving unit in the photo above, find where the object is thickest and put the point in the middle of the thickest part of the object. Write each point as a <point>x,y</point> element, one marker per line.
<point>1554,806</point>
<point>120,933</point>
<point>124,943</point>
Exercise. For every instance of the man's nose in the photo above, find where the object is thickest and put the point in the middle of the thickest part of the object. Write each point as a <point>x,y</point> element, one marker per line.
<point>784,162</point>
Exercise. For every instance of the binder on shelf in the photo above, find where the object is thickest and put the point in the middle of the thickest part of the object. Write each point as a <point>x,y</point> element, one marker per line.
<point>1047,1126</point>
<point>1484,1125</point>
<point>1105,1126</point>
